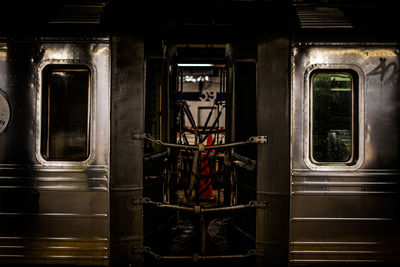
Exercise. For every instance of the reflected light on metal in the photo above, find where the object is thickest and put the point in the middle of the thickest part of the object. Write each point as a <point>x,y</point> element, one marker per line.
<point>195,65</point>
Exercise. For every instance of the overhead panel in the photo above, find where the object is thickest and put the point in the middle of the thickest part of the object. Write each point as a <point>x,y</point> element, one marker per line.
<point>322,17</point>
<point>77,12</point>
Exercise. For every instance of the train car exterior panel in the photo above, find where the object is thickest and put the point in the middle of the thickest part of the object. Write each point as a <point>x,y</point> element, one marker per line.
<point>346,211</point>
<point>273,120</point>
<point>127,118</point>
<point>53,211</point>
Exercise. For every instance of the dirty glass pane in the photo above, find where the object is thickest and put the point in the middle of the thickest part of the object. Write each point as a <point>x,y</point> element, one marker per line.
<point>332,117</point>
<point>65,113</point>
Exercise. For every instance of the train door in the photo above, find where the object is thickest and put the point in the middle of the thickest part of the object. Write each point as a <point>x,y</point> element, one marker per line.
<point>195,191</point>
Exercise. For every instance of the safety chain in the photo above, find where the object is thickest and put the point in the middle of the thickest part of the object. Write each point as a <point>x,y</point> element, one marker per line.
<point>200,147</point>
<point>195,257</point>
<point>134,201</point>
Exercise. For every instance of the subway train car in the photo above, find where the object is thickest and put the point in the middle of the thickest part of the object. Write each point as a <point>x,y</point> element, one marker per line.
<point>233,133</point>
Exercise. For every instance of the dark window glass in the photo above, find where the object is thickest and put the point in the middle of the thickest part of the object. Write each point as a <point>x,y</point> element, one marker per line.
<point>65,113</point>
<point>332,117</point>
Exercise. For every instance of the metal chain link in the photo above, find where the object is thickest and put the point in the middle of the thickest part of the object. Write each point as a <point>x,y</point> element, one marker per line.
<point>201,147</point>
<point>196,256</point>
<point>147,200</point>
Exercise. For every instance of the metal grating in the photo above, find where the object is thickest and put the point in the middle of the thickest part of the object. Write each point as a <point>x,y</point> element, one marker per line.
<point>75,12</point>
<point>321,17</point>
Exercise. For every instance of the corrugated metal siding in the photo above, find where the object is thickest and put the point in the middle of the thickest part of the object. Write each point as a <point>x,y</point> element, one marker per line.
<point>75,12</point>
<point>344,218</point>
<point>322,17</point>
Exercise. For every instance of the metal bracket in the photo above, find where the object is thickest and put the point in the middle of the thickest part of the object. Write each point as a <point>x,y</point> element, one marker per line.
<point>243,161</point>
<point>140,200</point>
<point>135,201</point>
<point>201,147</point>
<point>139,135</point>
<point>257,252</point>
<point>195,257</point>
<point>261,139</point>
<point>139,250</point>
<point>258,204</point>
<point>197,209</point>
<point>147,250</point>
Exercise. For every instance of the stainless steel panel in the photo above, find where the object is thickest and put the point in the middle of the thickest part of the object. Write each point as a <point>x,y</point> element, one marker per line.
<point>339,212</point>
<point>53,211</point>
<point>273,120</point>
<point>37,250</point>
<point>127,154</point>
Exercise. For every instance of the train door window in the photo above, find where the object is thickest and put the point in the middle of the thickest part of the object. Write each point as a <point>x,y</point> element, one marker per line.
<point>333,117</point>
<point>65,113</point>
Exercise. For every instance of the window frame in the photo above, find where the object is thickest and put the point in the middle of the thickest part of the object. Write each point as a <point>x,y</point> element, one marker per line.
<point>10,108</point>
<point>354,103</point>
<point>357,153</point>
<point>64,64</point>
